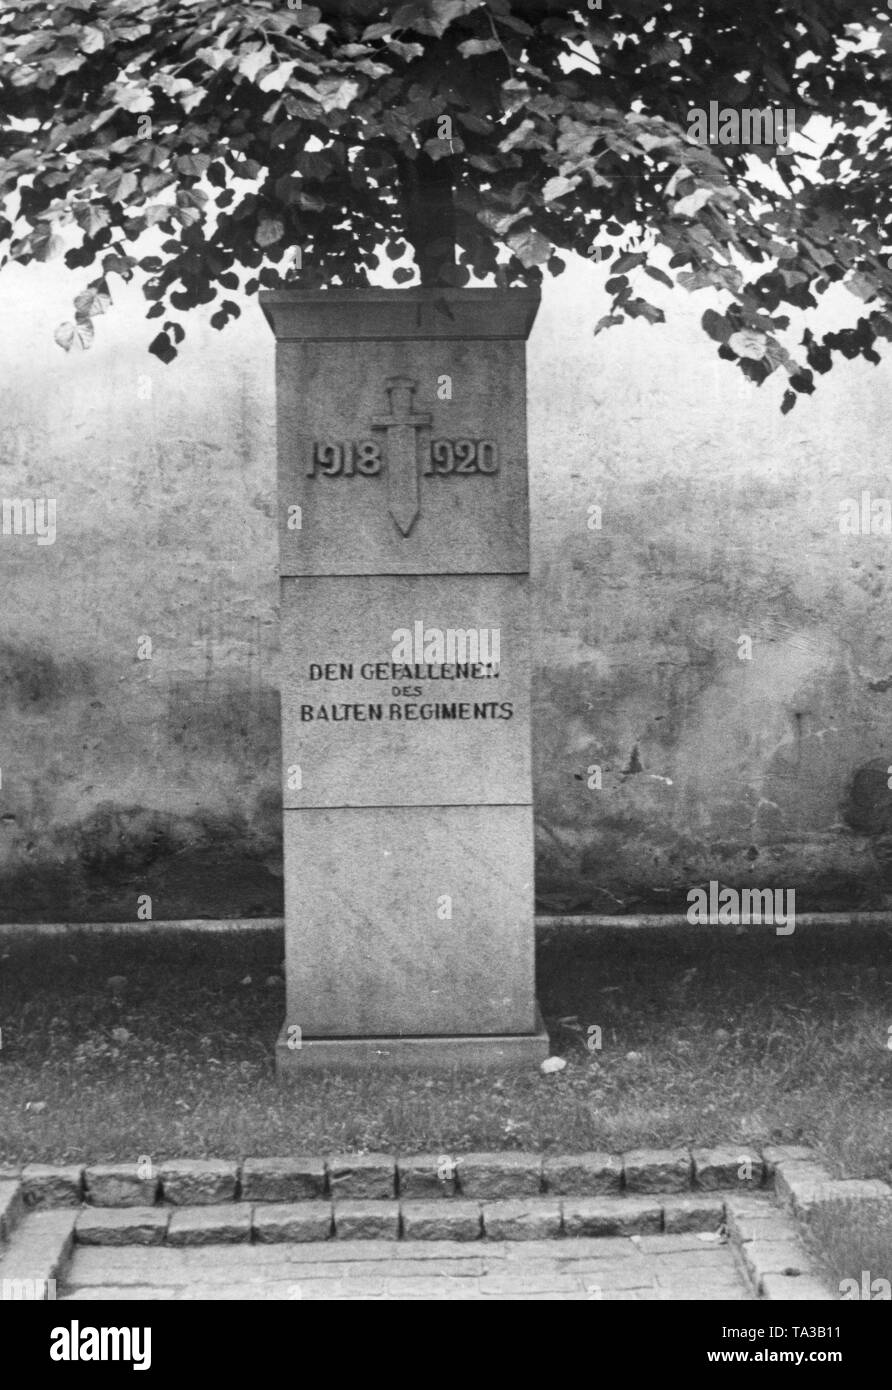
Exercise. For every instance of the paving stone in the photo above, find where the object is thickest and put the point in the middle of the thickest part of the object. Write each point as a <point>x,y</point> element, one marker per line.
<point>610,1216</point>
<point>300,1221</point>
<point>122,1226</point>
<point>622,1275</point>
<point>694,1213</point>
<point>366,1176</point>
<point>444,1287</point>
<point>775,1225</point>
<point>12,1208</point>
<point>749,1204</point>
<point>190,1182</point>
<point>283,1179</point>
<point>496,1175</point>
<point>533,1282</point>
<point>774,1154</point>
<point>582,1175</point>
<point>720,1280</point>
<point>471,1266</point>
<point>727,1167</point>
<point>673,1244</point>
<point>128,1265</point>
<point>657,1170</point>
<point>119,1185</point>
<point>436,1220</point>
<point>702,1293</point>
<point>582,1250</point>
<point>787,1288</point>
<point>763,1257</point>
<point>367,1220</point>
<point>503,1270</point>
<point>46,1186</point>
<point>683,1263</point>
<point>791,1177</point>
<point>427,1175</point>
<point>314,1290</point>
<point>239,1293</point>
<point>747,1217</point>
<point>869,1193</point>
<point>39,1248</point>
<point>146,1293</point>
<point>210,1225</point>
<point>519,1220</point>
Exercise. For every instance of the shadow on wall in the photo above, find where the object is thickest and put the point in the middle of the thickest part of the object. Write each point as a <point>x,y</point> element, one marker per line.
<point>205,866</point>
<point>99,822</point>
<point>844,869</point>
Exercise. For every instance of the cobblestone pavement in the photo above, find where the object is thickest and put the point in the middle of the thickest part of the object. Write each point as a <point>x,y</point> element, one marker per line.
<point>636,1267</point>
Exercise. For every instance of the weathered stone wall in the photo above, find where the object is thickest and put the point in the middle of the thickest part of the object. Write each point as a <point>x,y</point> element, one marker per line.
<point>123,777</point>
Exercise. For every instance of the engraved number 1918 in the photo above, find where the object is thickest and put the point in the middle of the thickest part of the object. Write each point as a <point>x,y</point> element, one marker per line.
<point>333,460</point>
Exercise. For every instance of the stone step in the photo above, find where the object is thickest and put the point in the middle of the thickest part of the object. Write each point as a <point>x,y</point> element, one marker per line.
<point>36,1255</point>
<point>381,1176</point>
<point>457,1218</point>
<point>12,1209</point>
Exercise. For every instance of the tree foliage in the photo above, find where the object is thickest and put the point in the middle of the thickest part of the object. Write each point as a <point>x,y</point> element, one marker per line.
<point>273,141</point>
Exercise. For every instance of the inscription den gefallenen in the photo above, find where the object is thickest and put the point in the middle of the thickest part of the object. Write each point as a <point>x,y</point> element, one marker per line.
<point>361,712</point>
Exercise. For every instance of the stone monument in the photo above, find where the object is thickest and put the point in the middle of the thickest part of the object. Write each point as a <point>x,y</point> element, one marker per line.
<point>405,676</point>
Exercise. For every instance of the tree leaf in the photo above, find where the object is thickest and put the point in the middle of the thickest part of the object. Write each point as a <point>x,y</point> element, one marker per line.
<point>48,248</point>
<point>91,39</point>
<point>656,274</point>
<point>193,164</point>
<point>472,48</point>
<point>692,204</point>
<point>558,187</point>
<point>162,348</point>
<point>748,344</point>
<point>269,231</point>
<point>718,327</point>
<point>530,247</point>
<point>64,335</point>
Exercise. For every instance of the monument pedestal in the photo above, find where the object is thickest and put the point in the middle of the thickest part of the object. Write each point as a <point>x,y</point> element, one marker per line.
<point>477,1052</point>
<point>404,559</point>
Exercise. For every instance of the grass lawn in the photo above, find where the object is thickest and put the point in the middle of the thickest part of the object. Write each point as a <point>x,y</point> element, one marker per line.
<point>853,1240</point>
<point>706,1035</point>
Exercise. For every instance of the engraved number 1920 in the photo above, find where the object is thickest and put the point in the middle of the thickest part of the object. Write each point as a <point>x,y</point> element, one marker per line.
<point>462,456</point>
<point>345,460</point>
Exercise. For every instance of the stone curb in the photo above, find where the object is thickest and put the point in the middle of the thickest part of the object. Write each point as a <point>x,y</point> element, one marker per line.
<point>501,1219</point>
<point>12,1209</point>
<point>381,1177</point>
<point>37,1255</point>
<point>770,1249</point>
<point>122,1225</point>
<point>499,1196</point>
<point>518,1197</point>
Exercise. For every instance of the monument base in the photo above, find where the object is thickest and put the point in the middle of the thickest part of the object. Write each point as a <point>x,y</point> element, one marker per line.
<point>489,1052</point>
